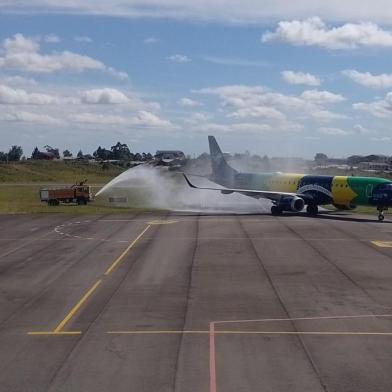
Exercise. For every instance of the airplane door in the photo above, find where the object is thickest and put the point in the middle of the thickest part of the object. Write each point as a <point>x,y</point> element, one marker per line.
<point>369,190</point>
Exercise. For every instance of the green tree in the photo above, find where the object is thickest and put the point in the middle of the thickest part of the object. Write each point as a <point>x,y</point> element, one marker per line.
<point>67,154</point>
<point>101,154</point>
<point>15,153</point>
<point>35,153</point>
<point>321,159</point>
<point>3,156</point>
<point>120,152</point>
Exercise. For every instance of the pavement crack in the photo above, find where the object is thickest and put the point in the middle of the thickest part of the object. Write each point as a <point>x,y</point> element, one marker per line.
<point>332,263</point>
<point>280,300</point>
<point>42,291</point>
<point>97,317</point>
<point>176,386</point>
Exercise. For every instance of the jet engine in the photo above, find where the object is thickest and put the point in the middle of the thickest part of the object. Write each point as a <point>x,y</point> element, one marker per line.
<point>294,203</point>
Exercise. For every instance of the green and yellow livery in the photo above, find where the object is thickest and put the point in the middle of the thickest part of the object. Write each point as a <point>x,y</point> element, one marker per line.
<point>294,192</point>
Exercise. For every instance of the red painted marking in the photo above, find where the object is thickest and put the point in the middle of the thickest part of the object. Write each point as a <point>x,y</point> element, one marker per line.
<point>212,358</point>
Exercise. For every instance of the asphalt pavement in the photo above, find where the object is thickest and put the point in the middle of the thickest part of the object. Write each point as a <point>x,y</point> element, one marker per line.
<point>171,302</point>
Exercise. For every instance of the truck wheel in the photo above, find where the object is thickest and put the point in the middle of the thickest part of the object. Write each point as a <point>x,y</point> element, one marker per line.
<point>82,202</point>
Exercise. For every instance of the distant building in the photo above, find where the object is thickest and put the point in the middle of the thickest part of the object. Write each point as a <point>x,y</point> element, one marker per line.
<point>47,156</point>
<point>377,166</point>
<point>169,158</point>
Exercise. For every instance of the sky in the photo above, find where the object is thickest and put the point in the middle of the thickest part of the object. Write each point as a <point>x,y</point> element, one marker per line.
<point>269,77</point>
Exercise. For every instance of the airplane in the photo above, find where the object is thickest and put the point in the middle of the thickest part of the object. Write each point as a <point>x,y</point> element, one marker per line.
<point>292,192</point>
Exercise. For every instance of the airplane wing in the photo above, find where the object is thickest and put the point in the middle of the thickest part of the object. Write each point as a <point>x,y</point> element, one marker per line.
<point>247,192</point>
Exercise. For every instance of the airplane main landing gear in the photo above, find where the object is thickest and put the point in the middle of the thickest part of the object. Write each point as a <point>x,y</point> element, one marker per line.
<point>381,216</point>
<point>275,210</point>
<point>312,209</point>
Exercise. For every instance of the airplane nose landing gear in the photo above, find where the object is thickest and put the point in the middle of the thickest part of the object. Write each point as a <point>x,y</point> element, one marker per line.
<point>381,216</point>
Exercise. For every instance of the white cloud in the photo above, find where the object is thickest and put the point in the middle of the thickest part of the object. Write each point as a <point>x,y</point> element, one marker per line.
<point>151,40</point>
<point>198,118</point>
<point>258,112</point>
<point>369,80</point>
<point>323,115</point>
<point>97,118</point>
<point>23,54</point>
<point>321,97</point>
<point>51,39</point>
<point>117,74</point>
<point>314,32</point>
<point>179,58</point>
<point>333,131</point>
<point>142,118</point>
<point>361,130</point>
<point>232,11</point>
<point>19,44</point>
<point>150,120</point>
<point>249,128</point>
<point>17,80</point>
<point>381,108</point>
<point>83,38</point>
<point>301,78</point>
<point>104,96</point>
<point>252,101</point>
<point>237,96</point>
<point>237,62</point>
<point>243,128</point>
<point>189,103</point>
<point>10,96</point>
<point>29,117</point>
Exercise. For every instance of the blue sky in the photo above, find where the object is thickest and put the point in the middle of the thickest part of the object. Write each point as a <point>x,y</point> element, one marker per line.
<point>291,82</point>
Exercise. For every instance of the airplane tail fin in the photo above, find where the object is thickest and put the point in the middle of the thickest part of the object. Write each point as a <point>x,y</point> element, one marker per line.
<point>222,173</point>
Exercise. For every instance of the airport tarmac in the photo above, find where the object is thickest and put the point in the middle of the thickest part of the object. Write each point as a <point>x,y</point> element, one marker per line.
<point>195,303</point>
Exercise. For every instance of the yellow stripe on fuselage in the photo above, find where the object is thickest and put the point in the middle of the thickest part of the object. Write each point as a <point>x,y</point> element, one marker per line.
<point>286,182</point>
<point>341,190</point>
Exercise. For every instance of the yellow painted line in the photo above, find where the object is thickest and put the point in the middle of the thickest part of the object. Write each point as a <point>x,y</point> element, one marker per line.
<point>162,222</point>
<point>59,329</point>
<point>123,254</point>
<point>55,333</point>
<point>382,244</point>
<point>233,332</point>
<point>77,306</point>
<point>163,332</point>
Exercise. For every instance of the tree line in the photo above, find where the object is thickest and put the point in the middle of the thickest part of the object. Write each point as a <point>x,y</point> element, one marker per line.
<point>118,152</point>
<point>14,154</point>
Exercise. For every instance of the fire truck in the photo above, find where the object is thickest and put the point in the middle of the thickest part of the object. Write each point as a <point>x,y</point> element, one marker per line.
<point>78,193</point>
